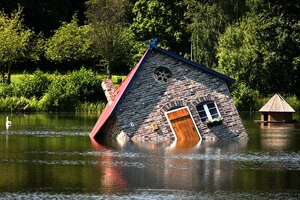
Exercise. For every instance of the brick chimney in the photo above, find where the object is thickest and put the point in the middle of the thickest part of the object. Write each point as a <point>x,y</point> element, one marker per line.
<point>109,90</point>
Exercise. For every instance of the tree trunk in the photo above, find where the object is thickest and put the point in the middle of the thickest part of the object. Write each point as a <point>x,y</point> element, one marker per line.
<point>108,70</point>
<point>2,76</point>
<point>8,74</point>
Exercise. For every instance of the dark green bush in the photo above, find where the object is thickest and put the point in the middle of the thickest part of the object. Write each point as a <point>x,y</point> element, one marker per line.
<point>86,85</point>
<point>6,90</point>
<point>244,97</point>
<point>65,92</point>
<point>57,96</point>
<point>32,85</point>
<point>293,101</point>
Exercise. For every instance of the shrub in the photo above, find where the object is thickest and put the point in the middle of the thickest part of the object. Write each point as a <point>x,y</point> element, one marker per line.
<point>90,107</point>
<point>59,95</point>
<point>9,104</point>
<point>32,85</point>
<point>6,104</point>
<point>45,104</point>
<point>87,85</point>
<point>260,102</point>
<point>68,91</point>
<point>6,90</point>
<point>244,97</point>
<point>293,101</point>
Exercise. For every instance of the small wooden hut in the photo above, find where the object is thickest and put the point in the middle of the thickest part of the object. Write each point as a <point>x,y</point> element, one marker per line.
<point>276,110</point>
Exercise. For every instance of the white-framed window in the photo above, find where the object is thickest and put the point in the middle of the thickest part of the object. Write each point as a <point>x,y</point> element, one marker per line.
<point>208,110</point>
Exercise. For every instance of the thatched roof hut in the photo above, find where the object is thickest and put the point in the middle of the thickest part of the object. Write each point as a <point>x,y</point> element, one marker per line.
<point>277,110</point>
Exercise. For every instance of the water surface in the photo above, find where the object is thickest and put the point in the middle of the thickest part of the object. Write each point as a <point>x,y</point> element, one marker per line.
<point>50,156</point>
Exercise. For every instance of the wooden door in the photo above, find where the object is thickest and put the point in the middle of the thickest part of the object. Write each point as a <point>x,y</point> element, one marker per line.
<point>183,126</point>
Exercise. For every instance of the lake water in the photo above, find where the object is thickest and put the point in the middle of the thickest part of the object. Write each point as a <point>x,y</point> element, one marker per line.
<point>50,156</point>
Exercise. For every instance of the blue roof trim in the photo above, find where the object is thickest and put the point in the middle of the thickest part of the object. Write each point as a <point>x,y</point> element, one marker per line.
<point>128,86</point>
<point>195,64</point>
<point>152,45</point>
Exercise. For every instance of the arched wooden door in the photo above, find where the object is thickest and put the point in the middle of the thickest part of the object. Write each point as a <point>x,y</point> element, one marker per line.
<point>183,125</point>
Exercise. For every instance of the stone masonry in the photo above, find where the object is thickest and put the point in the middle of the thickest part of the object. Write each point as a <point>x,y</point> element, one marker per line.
<point>108,88</point>
<point>147,100</point>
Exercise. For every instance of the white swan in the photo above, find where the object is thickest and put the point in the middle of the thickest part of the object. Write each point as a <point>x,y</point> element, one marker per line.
<point>8,123</point>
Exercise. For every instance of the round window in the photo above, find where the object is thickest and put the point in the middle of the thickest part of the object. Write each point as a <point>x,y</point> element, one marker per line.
<point>162,74</point>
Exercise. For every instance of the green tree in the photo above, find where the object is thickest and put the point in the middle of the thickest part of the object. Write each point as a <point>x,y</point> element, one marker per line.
<point>209,19</point>
<point>207,23</point>
<point>109,29</point>
<point>162,19</point>
<point>70,42</point>
<point>287,8</point>
<point>263,51</point>
<point>17,43</point>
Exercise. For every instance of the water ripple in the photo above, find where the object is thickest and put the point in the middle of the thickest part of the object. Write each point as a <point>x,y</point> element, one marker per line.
<point>240,157</point>
<point>76,162</point>
<point>145,194</point>
<point>46,133</point>
<point>250,160</point>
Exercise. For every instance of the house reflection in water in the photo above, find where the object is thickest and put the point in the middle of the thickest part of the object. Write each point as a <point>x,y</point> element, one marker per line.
<point>204,166</point>
<point>277,136</point>
<point>112,179</point>
<point>161,165</point>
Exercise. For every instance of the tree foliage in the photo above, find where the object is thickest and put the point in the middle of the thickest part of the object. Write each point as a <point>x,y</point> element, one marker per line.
<point>35,85</point>
<point>17,42</point>
<point>109,29</point>
<point>263,51</point>
<point>162,19</point>
<point>207,23</point>
<point>70,42</point>
<point>209,19</point>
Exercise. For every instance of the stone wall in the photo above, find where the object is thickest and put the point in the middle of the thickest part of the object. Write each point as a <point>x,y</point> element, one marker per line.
<point>147,100</point>
<point>109,90</point>
<point>110,129</point>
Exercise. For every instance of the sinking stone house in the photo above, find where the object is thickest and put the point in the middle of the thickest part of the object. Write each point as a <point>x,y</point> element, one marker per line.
<point>166,97</point>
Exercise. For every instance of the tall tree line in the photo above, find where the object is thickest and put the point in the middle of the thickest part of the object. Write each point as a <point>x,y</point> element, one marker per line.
<point>254,41</point>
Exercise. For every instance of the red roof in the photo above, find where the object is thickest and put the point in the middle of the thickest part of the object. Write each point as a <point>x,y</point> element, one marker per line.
<point>120,91</point>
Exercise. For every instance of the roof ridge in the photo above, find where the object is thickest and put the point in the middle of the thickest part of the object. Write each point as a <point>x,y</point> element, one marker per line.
<point>281,100</point>
<point>273,100</point>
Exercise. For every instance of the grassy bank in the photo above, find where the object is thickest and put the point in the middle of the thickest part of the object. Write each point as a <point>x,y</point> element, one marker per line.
<point>22,104</point>
<point>76,91</point>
